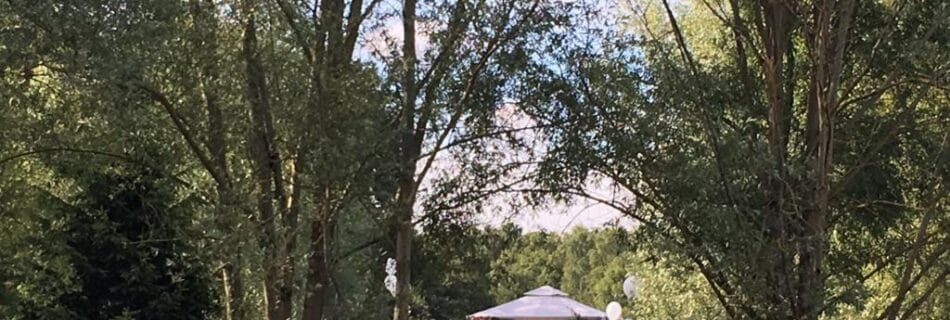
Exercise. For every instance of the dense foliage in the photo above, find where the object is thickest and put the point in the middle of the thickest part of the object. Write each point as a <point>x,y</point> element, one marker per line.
<point>129,256</point>
<point>115,250</point>
<point>474,269</point>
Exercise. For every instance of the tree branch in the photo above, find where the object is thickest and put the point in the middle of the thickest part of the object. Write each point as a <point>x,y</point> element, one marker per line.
<point>493,46</point>
<point>290,16</point>
<point>182,127</point>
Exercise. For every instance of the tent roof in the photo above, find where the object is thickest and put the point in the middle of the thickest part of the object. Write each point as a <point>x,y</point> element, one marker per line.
<point>545,291</point>
<point>544,303</point>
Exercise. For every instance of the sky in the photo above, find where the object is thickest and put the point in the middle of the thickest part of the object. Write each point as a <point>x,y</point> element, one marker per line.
<point>551,216</point>
<point>561,217</point>
<point>554,217</point>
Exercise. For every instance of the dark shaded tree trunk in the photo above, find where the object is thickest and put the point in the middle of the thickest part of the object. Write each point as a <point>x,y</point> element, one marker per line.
<point>268,172</point>
<point>206,25</point>
<point>830,23</point>
<point>318,273</point>
<point>331,54</point>
<point>776,38</point>
<point>410,149</point>
<point>404,232</point>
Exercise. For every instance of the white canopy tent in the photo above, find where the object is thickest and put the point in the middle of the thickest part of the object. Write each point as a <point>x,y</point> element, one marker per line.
<point>544,303</point>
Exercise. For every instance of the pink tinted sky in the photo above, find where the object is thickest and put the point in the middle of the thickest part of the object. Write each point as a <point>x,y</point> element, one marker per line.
<point>557,217</point>
<point>560,217</point>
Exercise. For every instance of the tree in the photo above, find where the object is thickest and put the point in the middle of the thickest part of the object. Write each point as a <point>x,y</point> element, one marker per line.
<point>128,253</point>
<point>742,165</point>
<point>454,90</point>
<point>212,81</point>
<point>591,266</point>
<point>451,262</point>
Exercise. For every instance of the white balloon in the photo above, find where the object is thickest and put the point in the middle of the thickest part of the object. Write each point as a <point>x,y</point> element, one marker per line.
<point>391,266</point>
<point>390,283</point>
<point>614,311</point>
<point>630,287</point>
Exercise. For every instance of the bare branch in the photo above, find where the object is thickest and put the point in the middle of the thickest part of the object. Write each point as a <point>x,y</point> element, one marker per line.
<point>182,127</point>
<point>290,15</point>
<point>493,46</point>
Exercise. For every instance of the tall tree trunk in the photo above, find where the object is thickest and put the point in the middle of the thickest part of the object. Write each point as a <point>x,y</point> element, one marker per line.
<point>268,175</point>
<point>206,24</point>
<point>318,274</point>
<point>404,230</point>
<point>831,24</point>
<point>776,37</point>
<point>231,278</point>
<point>331,53</point>
<point>233,292</point>
<point>406,197</point>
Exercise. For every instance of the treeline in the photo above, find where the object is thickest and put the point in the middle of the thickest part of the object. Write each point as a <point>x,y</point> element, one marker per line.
<point>466,269</point>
